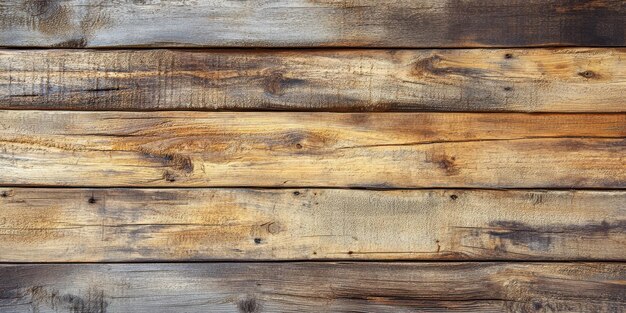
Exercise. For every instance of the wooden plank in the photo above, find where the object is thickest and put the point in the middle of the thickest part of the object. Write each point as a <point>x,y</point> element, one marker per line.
<point>314,287</point>
<point>381,150</point>
<point>537,80</point>
<point>306,23</point>
<point>95,225</point>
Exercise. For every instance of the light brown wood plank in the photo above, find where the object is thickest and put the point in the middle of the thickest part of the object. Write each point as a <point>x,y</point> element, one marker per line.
<point>306,23</point>
<point>537,80</point>
<point>386,150</point>
<point>95,225</point>
<point>314,287</point>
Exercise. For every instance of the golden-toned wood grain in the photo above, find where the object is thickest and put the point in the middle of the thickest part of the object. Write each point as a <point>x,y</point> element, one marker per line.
<point>309,23</point>
<point>384,150</point>
<point>96,225</point>
<point>314,287</point>
<point>538,80</point>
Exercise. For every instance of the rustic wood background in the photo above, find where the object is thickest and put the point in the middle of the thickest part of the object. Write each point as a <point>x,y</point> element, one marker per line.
<point>312,156</point>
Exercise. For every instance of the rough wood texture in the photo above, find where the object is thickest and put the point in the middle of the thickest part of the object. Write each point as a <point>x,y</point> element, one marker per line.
<point>383,150</point>
<point>305,23</point>
<point>95,225</point>
<point>538,80</point>
<point>314,287</point>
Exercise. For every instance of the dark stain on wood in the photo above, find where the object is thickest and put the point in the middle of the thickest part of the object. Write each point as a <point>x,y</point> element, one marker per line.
<point>541,238</point>
<point>537,23</point>
<point>249,305</point>
<point>72,43</point>
<point>93,302</point>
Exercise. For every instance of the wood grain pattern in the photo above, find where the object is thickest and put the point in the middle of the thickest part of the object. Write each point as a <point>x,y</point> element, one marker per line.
<point>314,287</point>
<point>96,225</point>
<point>382,150</point>
<point>306,23</point>
<point>537,80</point>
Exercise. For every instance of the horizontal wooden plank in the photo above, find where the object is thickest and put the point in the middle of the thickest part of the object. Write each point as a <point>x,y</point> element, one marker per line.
<point>537,80</point>
<point>314,287</point>
<point>95,225</point>
<point>305,23</point>
<point>381,150</point>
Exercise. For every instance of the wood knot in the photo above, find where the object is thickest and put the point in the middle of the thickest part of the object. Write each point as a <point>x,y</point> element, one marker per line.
<point>587,74</point>
<point>249,305</point>
<point>273,83</point>
<point>169,177</point>
<point>448,165</point>
<point>426,65</point>
<point>273,228</point>
<point>180,162</point>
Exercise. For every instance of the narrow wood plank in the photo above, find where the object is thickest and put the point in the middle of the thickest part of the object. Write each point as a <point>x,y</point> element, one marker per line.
<point>382,150</point>
<point>314,287</point>
<point>95,225</point>
<point>305,23</point>
<point>537,80</point>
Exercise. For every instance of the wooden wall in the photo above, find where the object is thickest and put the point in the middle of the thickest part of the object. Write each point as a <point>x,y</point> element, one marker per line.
<point>312,156</point>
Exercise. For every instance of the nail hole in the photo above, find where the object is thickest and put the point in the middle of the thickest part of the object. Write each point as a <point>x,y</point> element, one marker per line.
<point>296,193</point>
<point>508,88</point>
<point>91,200</point>
<point>299,146</point>
<point>508,56</point>
<point>454,197</point>
<point>350,252</point>
<point>257,240</point>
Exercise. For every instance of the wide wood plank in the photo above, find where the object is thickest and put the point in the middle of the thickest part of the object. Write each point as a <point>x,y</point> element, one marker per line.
<point>537,80</point>
<point>306,23</point>
<point>314,287</point>
<point>95,225</point>
<point>384,150</point>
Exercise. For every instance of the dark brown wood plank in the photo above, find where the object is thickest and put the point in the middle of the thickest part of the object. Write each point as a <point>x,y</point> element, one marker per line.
<point>536,80</point>
<point>314,287</point>
<point>121,225</point>
<point>382,150</point>
<point>306,23</point>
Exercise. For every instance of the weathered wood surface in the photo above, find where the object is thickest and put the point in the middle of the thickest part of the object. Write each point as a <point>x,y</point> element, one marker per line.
<point>96,225</point>
<point>382,150</point>
<point>541,80</point>
<point>314,287</point>
<point>306,23</point>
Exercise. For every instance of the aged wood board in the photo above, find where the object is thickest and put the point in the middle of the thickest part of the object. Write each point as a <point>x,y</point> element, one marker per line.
<point>256,149</point>
<point>96,225</point>
<point>313,287</point>
<point>479,80</point>
<point>311,23</point>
